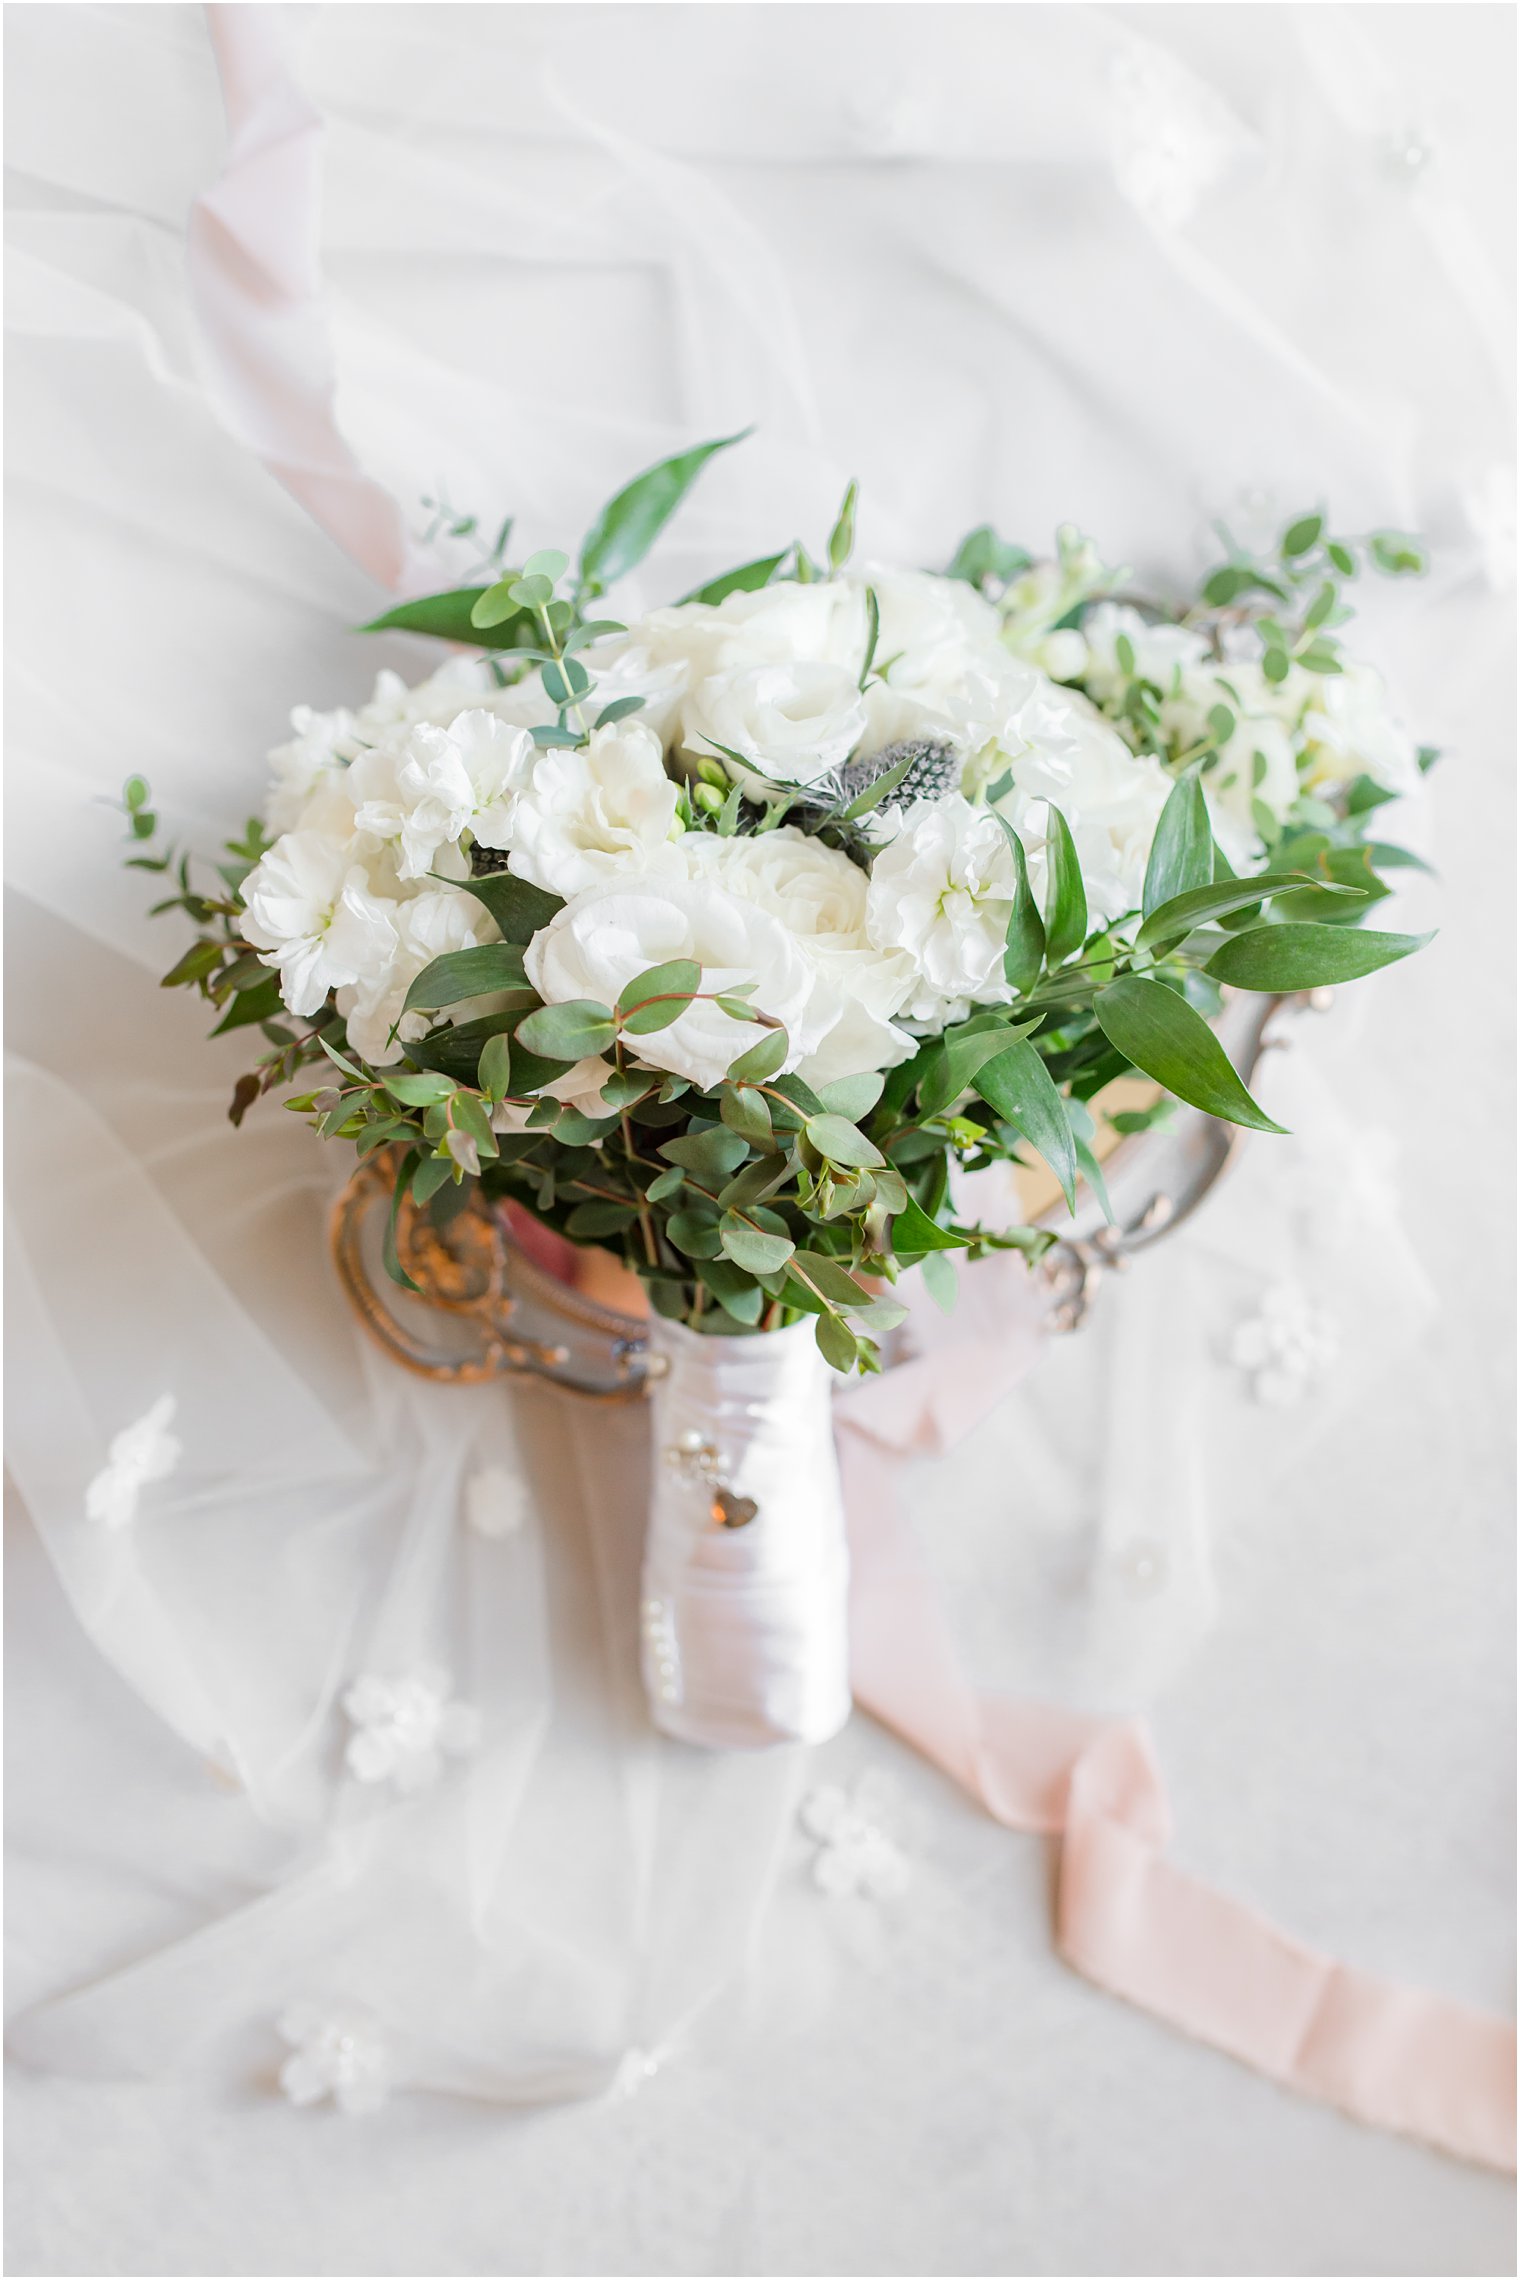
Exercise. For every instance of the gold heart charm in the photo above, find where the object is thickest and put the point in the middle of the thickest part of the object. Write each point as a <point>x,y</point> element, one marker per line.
<point>732,1511</point>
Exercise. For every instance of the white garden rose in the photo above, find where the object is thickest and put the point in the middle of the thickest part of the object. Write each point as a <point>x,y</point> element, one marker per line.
<point>583,815</point>
<point>427,790</point>
<point>611,933</point>
<point>820,896</point>
<point>308,907</point>
<point>1350,729</point>
<point>941,893</point>
<point>788,723</point>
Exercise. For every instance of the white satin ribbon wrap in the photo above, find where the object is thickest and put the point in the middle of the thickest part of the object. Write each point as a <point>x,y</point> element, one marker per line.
<point>745,1628</point>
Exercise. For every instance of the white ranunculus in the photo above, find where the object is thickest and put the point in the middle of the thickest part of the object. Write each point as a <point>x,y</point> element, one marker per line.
<point>1162,651</point>
<point>789,723</point>
<point>1060,751</point>
<point>610,933</point>
<point>820,896</point>
<point>941,893</point>
<point>308,907</point>
<point>1350,729</point>
<point>437,783</point>
<point>318,752</point>
<point>583,815</point>
<point>580,1087</point>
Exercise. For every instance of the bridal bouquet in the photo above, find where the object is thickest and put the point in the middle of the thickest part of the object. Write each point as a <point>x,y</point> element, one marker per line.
<point>726,937</point>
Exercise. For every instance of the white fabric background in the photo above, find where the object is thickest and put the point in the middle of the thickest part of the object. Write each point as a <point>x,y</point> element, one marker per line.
<point>1137,267</point>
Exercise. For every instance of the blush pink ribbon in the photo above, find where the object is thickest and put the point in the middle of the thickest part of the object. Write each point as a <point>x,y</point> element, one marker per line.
<point>256,281</point>
<point>1392,2056</point>
<point>1126,1917</point>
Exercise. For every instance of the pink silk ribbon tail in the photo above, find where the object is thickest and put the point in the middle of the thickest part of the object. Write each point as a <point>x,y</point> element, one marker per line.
<point>256,282</point>
<point>1396,2057</point>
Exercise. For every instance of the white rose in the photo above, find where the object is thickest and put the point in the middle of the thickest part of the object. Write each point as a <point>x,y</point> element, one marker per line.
<point>610,933</point>
<point>583,815</point>
<point>438,783</point>
<point>942,893</point>
<point>789,723</point>
<point>820,896</point>
<point>1351,730</point>
<point>308,905</point>
<point>1060,751</point>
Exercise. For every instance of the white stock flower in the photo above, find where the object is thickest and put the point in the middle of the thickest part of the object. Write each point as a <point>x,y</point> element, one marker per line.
<point>610,933</point>
<point>322,744</point>
<point>396,704</point>
<point>308,906</point>
<point>426,792</point>
<point>582,816</point>
<point>1350,729</point>
<point>942,892</point>
<point>788,723</point>
<point>426,926</point>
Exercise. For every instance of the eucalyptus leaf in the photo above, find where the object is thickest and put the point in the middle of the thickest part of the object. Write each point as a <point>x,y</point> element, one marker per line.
<point>671,987</point>
<point>572,1031</point>
<point>752,1248</point>
<point>842,1143</point>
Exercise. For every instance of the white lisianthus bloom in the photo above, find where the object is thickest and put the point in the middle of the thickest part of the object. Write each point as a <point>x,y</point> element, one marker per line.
<point>580,1087</point>
<point>1163,652</point>
<point>788,723</point>
<point>941,892</point>
<point>1061,752</point>
<point>583,815</point>
<point>820,896</point>
<point>610,933</point>
<point>786,624</point>
<point>308,907</point>
<point>623,666</point>
<point>1350,729</point>
<point>318,751</point>
<point>438,783</point>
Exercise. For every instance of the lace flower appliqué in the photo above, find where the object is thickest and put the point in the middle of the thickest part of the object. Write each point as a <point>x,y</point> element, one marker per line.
<point>140,1453</point>
<point>1285,1347</point>
<point>334,2055</point>
<point>404,1728</point>
<point>855,1853</point>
